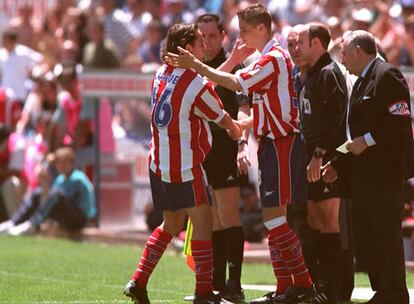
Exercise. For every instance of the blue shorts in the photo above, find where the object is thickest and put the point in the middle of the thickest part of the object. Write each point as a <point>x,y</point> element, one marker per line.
<point>282,166</point>
<point>173,197</point>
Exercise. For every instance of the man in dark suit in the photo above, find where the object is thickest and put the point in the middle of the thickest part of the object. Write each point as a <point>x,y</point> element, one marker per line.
<point>378,130</point>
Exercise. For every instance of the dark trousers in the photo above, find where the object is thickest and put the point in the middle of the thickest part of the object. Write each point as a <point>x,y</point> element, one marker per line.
<point>377,205</point>
<point>55,206</point>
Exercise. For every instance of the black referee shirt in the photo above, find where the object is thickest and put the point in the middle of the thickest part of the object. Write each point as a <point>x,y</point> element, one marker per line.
<point>323,107</point>
<point>230,99</point>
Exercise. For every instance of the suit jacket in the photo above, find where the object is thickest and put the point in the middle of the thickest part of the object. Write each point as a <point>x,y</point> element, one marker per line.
<point>380,105</point>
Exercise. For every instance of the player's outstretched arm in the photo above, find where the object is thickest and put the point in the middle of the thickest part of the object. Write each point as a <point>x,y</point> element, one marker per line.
<point>232,126</point>
<point>187,60</point>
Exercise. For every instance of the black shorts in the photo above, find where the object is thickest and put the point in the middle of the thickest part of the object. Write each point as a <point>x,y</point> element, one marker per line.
<point>221,163</point>
<point>320,190</point>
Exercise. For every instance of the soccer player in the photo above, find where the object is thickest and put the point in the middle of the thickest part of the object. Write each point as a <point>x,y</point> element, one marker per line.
<point>182,105</point>
<point>275,121</point>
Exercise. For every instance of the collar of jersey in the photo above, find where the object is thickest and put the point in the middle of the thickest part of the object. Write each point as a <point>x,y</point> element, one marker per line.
<point>268,46</point>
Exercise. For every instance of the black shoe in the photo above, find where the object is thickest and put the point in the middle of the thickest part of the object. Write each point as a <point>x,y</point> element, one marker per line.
<point>324,295</point>
<point>266,299</point>
<point>294,295</point>
<point>233,292</point>
<point>210,299</point>
<point>138,295</point>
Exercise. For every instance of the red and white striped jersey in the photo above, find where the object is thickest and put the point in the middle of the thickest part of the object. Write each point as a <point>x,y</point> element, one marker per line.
<point>182,104</point>
<point>270,81</point>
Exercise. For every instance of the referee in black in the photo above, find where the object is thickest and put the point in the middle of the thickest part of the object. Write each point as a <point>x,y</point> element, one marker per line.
<point>222,175</point>
<point>323,109</point>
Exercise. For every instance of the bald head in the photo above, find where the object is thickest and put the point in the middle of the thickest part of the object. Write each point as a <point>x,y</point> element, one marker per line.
<point>292,42</point>
<point>362,39</point>
<point>358,49</point>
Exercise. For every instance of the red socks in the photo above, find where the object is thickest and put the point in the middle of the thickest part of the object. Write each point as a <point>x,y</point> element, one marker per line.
<point>286,242</point>
<point>155,247</point>
<point>157,243</point>
<point>281,271</point>
<point>203,260</point>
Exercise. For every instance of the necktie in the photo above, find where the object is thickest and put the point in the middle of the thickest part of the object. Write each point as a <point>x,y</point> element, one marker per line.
<point>354,92</point>
<point>357,85</point>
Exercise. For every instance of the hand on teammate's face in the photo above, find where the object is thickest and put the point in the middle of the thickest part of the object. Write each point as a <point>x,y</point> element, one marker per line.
<point>183,60</point>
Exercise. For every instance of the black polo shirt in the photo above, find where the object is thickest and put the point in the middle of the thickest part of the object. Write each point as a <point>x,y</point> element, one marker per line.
<point>230,99</point>
<point>323,106</point>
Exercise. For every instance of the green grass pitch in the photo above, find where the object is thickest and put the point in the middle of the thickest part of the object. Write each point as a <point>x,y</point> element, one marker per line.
<point>40,271</point>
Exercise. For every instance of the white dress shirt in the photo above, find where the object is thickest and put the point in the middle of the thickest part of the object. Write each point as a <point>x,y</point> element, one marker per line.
<point>15,67</point>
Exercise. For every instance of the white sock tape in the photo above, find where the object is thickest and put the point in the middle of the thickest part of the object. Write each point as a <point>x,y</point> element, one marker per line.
<point>276,222</point>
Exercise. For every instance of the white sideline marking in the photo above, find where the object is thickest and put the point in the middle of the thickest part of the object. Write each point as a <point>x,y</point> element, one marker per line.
<point>357,294</point>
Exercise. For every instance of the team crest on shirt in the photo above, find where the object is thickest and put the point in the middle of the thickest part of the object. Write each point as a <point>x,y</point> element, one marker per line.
<point>257,98</point>
<point>400,108</point>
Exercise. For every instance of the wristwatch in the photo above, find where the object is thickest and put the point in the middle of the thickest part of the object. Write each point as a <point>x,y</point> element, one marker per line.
<point>318,153</point>
<point>241,141</point>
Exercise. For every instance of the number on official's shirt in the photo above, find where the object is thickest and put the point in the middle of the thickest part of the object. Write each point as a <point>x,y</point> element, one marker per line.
<point>163,110</point>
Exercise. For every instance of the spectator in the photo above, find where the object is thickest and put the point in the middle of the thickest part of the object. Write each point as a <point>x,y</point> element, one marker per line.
<point>46,174</point>
<point>66,116</point>
<point>100,53</point>
<point>406,56</point>
<point>138,18</point>
<point>176,13</point>
<point>150,48</point>
<point>115,28</point>
<point>70,202</point>
<point>13,181</point>
<point>25,25</point>
<point>41,102</point>
<point>17,58</point>
<point>45,40</point>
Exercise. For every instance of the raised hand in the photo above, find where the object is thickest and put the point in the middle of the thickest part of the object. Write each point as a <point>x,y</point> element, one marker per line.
<point>183,60</point>
<point>240,52</point>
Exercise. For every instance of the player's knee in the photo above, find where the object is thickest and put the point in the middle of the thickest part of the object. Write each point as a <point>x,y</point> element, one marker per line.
<point>229,219</point>
<point>202,232</point>
<point>173,224</point>
<point>172,228</point>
